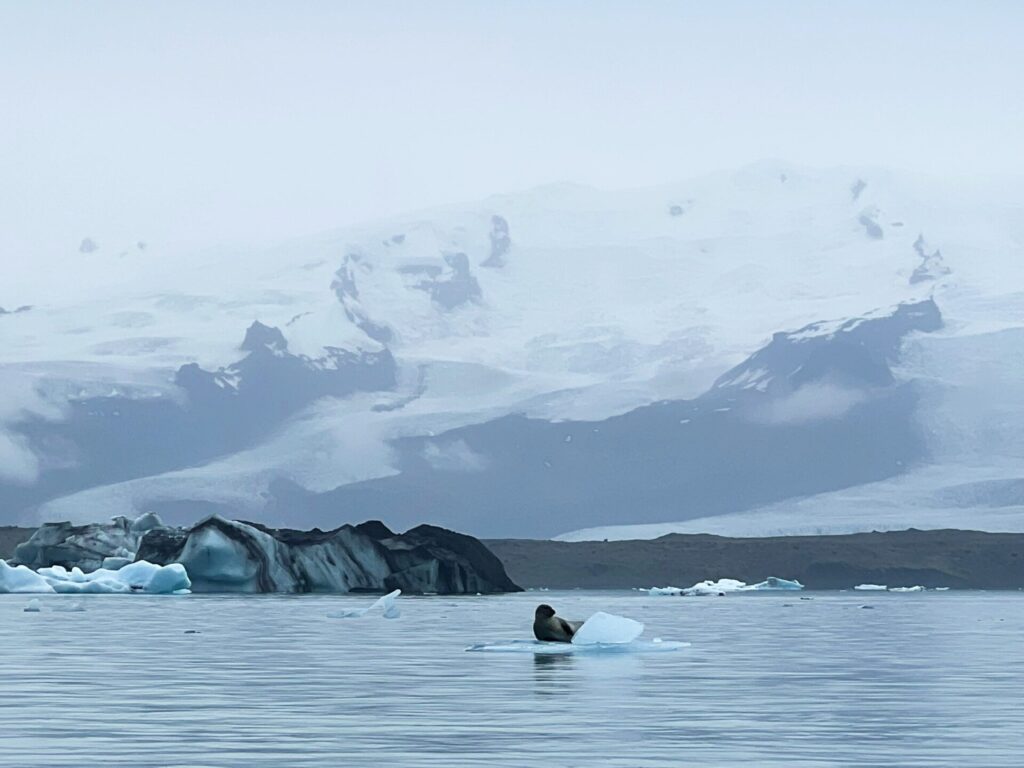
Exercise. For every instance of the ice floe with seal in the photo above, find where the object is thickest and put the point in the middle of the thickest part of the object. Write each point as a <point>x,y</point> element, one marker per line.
<point>601,633</point>
<point>725,586</point>
<point>387,604</point>
<point>139,577</point>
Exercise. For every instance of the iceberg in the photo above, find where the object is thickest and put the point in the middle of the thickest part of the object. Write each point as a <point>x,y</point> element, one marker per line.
<point>871,587</point>
<point>724,586</point>
<point>140,577</point>
<point>907,589</point>
<point>607,628</point>
<point>33,606</point>
<point>387,603</point>
<point>21,579</point>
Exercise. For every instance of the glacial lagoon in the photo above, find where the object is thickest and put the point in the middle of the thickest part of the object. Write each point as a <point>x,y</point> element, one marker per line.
<point>770,679</point>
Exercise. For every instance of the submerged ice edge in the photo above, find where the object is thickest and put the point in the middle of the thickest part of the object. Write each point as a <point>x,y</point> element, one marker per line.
<point>566,649</point>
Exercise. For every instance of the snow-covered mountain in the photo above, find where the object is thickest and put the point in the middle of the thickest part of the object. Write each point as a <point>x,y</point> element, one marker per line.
<point>771,350</point>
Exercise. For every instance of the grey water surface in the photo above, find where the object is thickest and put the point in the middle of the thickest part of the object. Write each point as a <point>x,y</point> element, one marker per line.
<point>925,679</point>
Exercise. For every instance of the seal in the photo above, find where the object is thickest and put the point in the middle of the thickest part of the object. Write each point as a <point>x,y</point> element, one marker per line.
<point>550,628</point>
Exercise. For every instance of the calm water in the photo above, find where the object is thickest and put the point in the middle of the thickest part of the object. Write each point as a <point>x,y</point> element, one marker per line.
<point>933,679</point>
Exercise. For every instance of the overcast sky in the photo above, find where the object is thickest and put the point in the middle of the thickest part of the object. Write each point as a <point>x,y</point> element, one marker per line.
<point>189,122</point>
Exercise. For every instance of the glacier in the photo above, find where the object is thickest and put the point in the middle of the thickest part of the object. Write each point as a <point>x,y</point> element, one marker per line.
<point>629,329</point>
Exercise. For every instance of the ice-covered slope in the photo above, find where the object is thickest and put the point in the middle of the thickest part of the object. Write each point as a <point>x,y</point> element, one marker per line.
<point>137,379</point>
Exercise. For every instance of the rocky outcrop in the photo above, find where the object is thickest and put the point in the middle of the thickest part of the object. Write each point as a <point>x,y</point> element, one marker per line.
<point>501,242</point>
<point>454,287</point>
<point>229,556</point>
<point>932,266</point>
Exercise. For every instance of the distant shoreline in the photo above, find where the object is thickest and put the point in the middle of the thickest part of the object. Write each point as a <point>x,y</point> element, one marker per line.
<point>939,558</point>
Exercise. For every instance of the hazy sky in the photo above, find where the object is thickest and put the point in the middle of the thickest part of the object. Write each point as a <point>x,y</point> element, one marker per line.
<point>211,121</point>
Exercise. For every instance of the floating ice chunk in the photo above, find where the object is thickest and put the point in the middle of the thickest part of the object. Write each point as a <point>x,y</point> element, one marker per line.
<point>719,587</point>
<point>135,577</point>
<point>33,606</point>
<point>871,587</point>
<point>75,607</point>
<point>566,649</point>
<point>724,586</point>
<point>21,580</point>
<point>942,589</point>
<point>774,582</point>
<point>386,603</point>
<point>907,589</point>
<point>607,628</point>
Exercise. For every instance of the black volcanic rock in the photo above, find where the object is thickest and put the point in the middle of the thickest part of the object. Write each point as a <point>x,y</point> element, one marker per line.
<point>501,242</point>
<point>455,287</point>
<point>232,556</point>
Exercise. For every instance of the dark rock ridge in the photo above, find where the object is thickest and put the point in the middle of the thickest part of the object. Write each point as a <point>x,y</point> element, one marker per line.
<point>230,556</point>
<point>871,227</point>
<point>454,287</point>
<point>932,266</point>
<point>110,439</point>
<point>501,242</point>
<point>345,288</point>
<point>814,410</point>
<point>942,558</point>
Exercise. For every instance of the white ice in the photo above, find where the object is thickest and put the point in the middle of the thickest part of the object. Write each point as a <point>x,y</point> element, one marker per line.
<point>871,587</point>
<point>21,579</point>
<point>723,586</point>
<point>33,606</point>
<point>387,603</point>
<point>606,628</point>
<point>907,589</point>
<point>141,577</point>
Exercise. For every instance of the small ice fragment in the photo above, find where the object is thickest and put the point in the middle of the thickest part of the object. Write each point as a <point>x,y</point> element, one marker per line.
<point>907,589</point>
<point>33,606</point>
<point>871,587</point>
<point>607,628</point>
<point>942,589</point>
<point>385,602</point>
<point>75,607</point>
